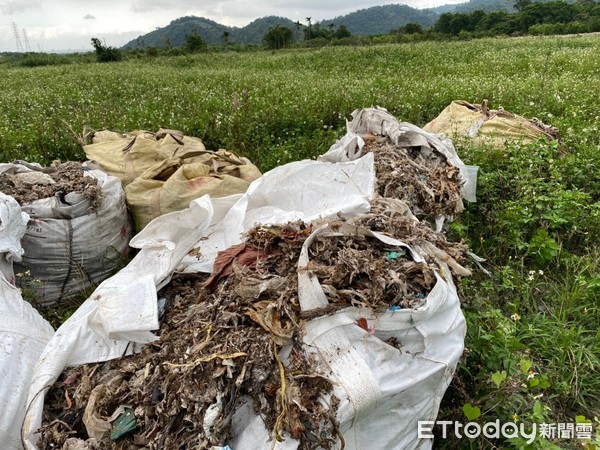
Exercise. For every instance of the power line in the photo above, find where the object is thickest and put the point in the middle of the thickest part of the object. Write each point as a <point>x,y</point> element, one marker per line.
<point>26,39</point>
<point>15,31</point>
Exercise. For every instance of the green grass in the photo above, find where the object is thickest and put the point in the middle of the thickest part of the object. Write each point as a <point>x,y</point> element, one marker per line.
<point>537,220</point>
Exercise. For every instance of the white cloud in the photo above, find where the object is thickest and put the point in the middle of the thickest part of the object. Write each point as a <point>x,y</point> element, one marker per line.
<point>119,21</point>
<point>144,6</point>
<point>17,6</point>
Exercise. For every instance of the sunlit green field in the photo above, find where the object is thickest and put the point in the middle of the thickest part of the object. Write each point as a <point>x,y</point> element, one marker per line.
<point>297,100</point>
<point>533,345</point>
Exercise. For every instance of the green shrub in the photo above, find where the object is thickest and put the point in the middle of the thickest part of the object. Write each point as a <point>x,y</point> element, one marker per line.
<point>105,53</point>
<point>43,59</point>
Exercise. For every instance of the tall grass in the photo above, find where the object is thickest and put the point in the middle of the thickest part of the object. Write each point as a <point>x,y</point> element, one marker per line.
<point>533,344</point>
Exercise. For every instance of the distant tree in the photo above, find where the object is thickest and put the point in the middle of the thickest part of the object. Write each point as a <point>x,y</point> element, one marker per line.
<point>298,26</point>
<point>308,29</point>
<point>444,23</point>
<point>342,32</point>
<point>459,22</point>
<point>520,5</point>
<point>497,20</point>
<point>319,31</point>
<point>278,37</point>
<point>316,31</point>
<point>331,31</point>
<point>476,19</point>
<point>105,53</point>
<point>412,28</point>
<point>194,42</point>
<point>166,41</point>
<point>225,38</point>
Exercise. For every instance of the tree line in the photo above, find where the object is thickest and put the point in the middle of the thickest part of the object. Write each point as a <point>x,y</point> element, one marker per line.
<point>534,18</point>
<point>531,17</point>
<point>279,36</point>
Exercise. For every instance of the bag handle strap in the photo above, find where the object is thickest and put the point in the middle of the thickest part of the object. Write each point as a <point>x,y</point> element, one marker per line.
<point>210,152</point>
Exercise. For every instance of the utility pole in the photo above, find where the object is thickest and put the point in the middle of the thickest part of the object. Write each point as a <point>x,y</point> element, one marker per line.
<point>15,31</point>
<point>26,39</point>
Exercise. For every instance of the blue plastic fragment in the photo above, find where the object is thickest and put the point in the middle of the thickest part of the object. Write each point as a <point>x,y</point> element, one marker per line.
<point>420,296</point>
<point>395,308</point>
<point>396,254</point>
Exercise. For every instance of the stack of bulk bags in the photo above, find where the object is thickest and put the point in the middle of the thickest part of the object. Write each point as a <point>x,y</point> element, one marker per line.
<point>162,172</point>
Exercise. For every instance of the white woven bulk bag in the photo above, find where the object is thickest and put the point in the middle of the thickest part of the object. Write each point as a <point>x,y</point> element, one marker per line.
<point>23,332</point>
<point>68,246</point>
<point>384,391</point>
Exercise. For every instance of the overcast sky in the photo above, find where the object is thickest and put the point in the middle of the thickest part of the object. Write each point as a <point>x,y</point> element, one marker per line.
<point>56,25</point>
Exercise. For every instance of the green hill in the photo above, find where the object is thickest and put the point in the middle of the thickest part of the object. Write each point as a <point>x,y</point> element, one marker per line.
<point>375,20</point>
<point>472,5</point>
<point>485,5</point>
<point>212,32</point>
<point>383,19</point>
<point>174,34</point>
<point>369,21</point>
<point>253,32</point>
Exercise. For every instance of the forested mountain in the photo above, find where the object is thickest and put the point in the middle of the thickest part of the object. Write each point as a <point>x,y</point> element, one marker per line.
<point>211,32</point>
<point>369,21</point>
<point>375,20</point>
<point>485,5</point>
<point>472,5</point>
<point>383,19</point>
<point>174,34</point>
<point>253,32</point>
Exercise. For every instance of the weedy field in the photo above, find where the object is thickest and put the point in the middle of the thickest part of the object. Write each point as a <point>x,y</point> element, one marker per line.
<point>533,342</point>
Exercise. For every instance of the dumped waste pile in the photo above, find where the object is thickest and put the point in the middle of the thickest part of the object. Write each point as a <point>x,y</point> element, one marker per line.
<point>221,335</point>
<point>305,334</point>
<point>78,232</point>
<point>59,179</point>
<point>422,177</point>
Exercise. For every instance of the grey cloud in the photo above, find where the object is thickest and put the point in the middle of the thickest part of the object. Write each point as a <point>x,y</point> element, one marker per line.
<point>295,9</point>
<point>318,5</point>
<point>15,6</point>
<point>341,5</point>
<point>89,17</point>
<point>156,5</point>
